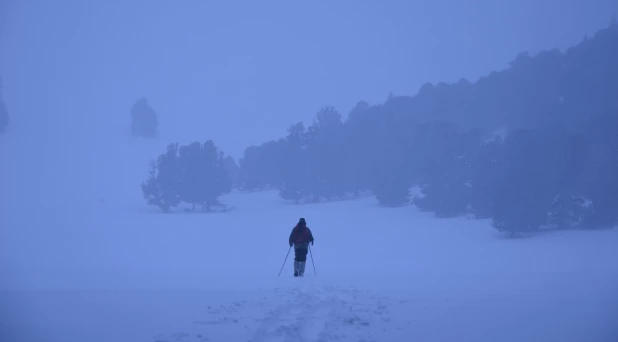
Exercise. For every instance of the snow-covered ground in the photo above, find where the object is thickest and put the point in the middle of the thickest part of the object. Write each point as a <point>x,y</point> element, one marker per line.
<point>83,259</point>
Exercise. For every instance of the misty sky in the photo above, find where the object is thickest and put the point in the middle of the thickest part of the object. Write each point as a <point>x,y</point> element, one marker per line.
<point>241,72</point>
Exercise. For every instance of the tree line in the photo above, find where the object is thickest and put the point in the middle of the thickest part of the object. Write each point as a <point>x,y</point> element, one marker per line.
<point>531,147</point>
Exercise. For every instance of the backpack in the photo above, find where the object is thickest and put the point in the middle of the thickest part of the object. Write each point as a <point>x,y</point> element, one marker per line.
<point>301,235</point>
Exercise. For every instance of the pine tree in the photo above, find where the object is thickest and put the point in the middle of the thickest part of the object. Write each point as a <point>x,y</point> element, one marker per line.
<point>161,188</point>
<point>294,170</point>
<point>144,121</point>
<point>204,175</point>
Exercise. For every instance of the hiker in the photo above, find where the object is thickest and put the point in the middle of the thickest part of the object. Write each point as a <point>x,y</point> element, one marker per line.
<point>300,238</point>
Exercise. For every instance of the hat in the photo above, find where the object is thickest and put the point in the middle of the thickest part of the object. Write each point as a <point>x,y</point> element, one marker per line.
<point>302,221</point>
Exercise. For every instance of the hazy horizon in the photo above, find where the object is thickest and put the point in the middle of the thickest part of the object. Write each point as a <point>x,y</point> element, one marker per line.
<point>241,73</point>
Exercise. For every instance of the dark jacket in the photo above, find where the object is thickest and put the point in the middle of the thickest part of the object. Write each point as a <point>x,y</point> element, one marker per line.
<point>301,235</point>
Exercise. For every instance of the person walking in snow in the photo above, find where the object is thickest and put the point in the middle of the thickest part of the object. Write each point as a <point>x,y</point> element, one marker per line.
<point>300,237</point>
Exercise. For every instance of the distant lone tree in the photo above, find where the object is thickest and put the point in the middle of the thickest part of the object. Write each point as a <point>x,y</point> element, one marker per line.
<point>144,119</point>
<point>4,114</point>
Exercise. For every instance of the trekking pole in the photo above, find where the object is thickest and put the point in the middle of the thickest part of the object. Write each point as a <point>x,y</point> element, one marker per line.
<point>314,272</point>
<point>284,261</point>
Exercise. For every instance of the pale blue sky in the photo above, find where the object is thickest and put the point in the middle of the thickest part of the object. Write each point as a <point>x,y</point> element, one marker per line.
<point>240,72</point>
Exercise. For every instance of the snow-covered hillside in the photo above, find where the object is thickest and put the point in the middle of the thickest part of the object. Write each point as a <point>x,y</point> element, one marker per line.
<point>82,258</point>
<point>119,271</point>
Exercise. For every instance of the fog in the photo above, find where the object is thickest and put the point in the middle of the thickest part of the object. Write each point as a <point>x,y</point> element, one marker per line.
<point>241,72</point>
<point>455,161</point>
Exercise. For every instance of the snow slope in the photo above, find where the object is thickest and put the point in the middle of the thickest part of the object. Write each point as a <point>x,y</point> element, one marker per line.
<point>114,273</point>
<point>83,259</point>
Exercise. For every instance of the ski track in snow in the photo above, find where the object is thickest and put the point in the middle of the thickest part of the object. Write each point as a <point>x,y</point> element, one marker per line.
<point>306,312</point>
